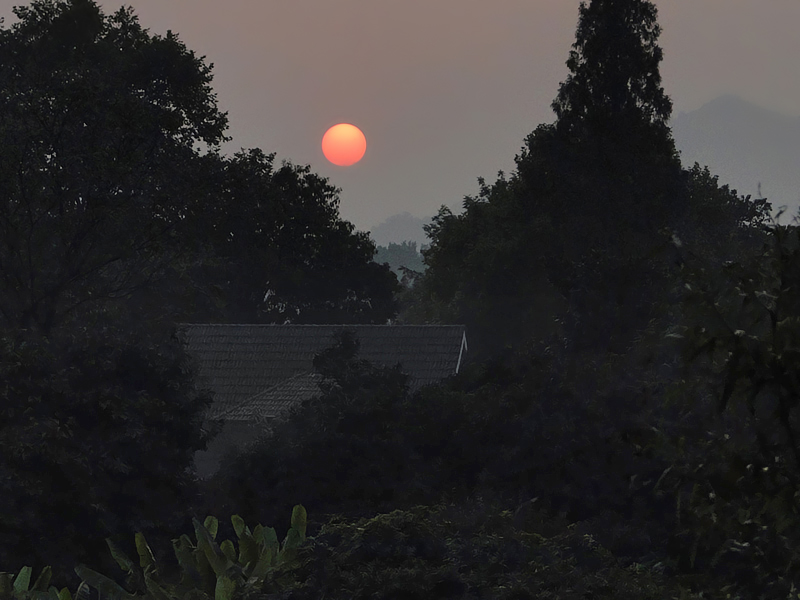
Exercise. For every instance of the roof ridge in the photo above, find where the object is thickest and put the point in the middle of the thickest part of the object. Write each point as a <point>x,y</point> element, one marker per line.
<point>312,325</point>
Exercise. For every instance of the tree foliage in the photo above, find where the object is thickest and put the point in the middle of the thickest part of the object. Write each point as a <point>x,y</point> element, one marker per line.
<point>113,189</point>
<point>97,439</point>
<point>614,70</point>
<point>99,122</point>
<point>277,250</point>
<point>576,235</point>
<point>722,225</point>
<point>472,549</point>
<point>739,331</point>
<point>118,216</point>
<point>341,450</point>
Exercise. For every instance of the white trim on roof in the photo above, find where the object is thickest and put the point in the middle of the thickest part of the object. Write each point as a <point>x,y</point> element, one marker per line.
<point>461,350</point>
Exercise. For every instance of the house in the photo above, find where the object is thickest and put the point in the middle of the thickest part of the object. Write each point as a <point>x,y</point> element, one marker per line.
<point>258,372</point>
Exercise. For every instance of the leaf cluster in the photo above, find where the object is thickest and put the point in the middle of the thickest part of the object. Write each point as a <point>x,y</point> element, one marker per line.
<point>467,550</point>
<point>737,484</point>
<point>274,249</point>
<point>97,438</point>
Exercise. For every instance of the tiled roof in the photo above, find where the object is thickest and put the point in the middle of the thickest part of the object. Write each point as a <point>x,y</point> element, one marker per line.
<point>259,370</point>
<point>273,401</point>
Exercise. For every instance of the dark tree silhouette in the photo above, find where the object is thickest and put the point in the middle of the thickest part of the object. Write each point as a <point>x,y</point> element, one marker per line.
<point>576,241</point>
<point>115,207</point>
<point>275,249</point>
<point>97,439</point>
<point>614,66</point>
<point>99,122</point>
<point>112,190</point>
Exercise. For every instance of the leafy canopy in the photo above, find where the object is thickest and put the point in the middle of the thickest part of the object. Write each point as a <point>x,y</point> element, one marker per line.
<point>115,208</point>
<point>99,122</point>
<point>614,67</point>
<point>573,241</point>
<point>113,191</point>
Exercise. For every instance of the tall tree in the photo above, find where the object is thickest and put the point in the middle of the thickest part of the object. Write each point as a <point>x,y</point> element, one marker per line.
<point>109,160</point>
<point>612,163</point>
<point>577,239</point>
<point>614,71</point>
<point>104,131</point>
<point>99,123</point>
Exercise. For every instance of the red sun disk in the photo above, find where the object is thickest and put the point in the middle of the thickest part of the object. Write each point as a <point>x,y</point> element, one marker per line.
<point>344,144</point>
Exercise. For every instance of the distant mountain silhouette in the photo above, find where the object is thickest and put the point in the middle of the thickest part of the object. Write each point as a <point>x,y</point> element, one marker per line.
<point>744,144</point>
<point>401,228</point>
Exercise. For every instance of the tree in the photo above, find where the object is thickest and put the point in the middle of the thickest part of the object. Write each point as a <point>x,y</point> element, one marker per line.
<point>97,440</point>
<point>112,190</point>
<point>723,225</point>
<point>612,163</point>
<point>102,127</point>
<point>581,222</point>
<point>614,67</point>
<point>275,249</point>
<point>109,160</point>
<point>100,122</point>
<point>401,257</point>
<point>486,271</point>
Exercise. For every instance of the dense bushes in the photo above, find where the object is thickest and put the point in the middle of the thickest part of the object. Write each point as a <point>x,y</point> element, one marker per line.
<point>342,451</point>
<point>617,443</point>
<point>97,439</point>
<point>738,478</point>
<point>471,549</point>
<point>366,445</point>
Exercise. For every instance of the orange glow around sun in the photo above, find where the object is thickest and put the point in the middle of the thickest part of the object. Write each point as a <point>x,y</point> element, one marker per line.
<point>344,144</point>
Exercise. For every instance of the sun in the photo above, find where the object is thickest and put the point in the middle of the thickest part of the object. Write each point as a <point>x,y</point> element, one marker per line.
<point>344,144</point>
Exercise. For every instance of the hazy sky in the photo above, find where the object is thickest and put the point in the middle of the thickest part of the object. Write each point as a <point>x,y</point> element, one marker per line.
<point>444,90</point>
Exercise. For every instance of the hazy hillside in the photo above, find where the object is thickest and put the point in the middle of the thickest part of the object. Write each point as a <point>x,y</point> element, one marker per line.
<point>744,144</point>
<point>404,254</point>
<point>401,228</point>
